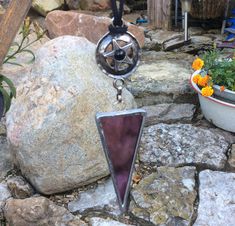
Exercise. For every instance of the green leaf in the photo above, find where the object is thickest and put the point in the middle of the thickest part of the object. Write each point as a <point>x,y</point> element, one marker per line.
<point>10,84</point>
<point>31,53</point>
<point>6,98</point>
<point>14,63</point>
<point>15,44</point>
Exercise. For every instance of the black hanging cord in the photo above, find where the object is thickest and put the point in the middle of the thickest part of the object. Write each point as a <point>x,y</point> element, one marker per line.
<point>117,26</point>
<point>117,13</point>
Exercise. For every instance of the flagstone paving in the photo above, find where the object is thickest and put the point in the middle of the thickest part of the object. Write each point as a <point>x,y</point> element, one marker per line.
<point>217,199</point>
<point>166,196</point>
<point>183,144</point>
<point>101,198</point>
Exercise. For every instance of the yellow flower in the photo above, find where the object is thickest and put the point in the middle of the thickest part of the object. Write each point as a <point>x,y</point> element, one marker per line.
<point>196,78</point>
<point>197,64</point>
<point>207,91</point>
<point>203,81</point>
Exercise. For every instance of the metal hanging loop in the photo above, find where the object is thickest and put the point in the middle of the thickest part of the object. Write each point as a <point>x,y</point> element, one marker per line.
<point>119,84</point>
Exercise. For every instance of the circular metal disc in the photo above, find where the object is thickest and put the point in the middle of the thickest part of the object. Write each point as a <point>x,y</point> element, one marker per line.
<point>118,55</point>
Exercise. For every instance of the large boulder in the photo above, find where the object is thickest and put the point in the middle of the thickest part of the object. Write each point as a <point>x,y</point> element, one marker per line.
<point>91,27</point>
<point>51,125</point>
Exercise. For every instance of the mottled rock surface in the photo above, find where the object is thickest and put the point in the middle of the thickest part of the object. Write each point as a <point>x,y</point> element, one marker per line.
<point>5,157</point>
<point>217,199</point>
<point>44,6</point>
<point>73,4</point>
<point>156,38</point>
<point>4,195</point>
<point>38,211</point>
<point>97,221</point>
<point>51,124</point>
<point>162,78</point>
<point>100,5</point>
<point>91,27</point>
<point>165,197</point>
<point>159,39</point>
<point>19,187</point>
<point>15,72</point>
<point>103,197</point>
<point>231,160</point>
<point>198,43</point>
<point>183,144</point>
<point>3,130</point>
<point>169,113</point>
<point>93,5</point>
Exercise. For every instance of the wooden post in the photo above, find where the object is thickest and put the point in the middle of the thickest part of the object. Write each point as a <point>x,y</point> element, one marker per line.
<point>159,13</point>
<point>10,23</point>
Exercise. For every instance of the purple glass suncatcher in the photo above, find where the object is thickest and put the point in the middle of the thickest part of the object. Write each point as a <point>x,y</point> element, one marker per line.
<point>120,134</point>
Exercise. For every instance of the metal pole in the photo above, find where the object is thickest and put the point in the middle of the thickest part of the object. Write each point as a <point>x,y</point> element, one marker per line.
<point>225,17</point>
<point>186,26</point>
<point>176,12</point>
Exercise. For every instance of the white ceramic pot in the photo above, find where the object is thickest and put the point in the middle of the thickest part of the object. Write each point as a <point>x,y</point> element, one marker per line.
<point>220,113</point>
<point>226,94</point>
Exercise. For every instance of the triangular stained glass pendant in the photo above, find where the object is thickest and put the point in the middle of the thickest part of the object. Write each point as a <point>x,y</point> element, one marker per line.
<point>120,134</point>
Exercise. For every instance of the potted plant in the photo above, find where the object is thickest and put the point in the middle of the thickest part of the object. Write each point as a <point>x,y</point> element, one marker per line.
<point>214,81</point>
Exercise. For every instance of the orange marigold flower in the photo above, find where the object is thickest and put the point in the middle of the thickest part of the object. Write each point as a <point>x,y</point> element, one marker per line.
<point>196,78</point>
<point>197,64</point>
<point>207,91</point>
<point>203,81</point>
<point>222,88</point>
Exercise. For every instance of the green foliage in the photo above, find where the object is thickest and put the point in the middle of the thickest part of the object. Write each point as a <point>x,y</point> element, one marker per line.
<point>223,74</point>
<point>8,91</point>
<point>7,88</point>
<point>210,58</point>
<point>221,70</point>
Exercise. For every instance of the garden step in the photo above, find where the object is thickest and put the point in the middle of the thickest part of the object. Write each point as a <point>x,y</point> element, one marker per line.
<point>169,113</point>
<point>163,78</point>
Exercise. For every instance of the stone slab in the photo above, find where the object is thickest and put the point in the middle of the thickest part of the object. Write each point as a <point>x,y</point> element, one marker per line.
<point>169,113</point>
<point>97,221</point>
<point>165,197</point>
<point>217,199</point>
<point>231,159</point>
<point>5,158</point>
<point>183,144</point>
<point>162,78</point>
<point>4,195</point>
<point>101,198</point>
